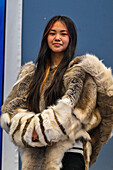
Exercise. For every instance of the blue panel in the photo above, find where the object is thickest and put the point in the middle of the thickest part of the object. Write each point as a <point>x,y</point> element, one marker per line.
<point>94,21</point>
<point>2,11</point>
<point>105,161</point>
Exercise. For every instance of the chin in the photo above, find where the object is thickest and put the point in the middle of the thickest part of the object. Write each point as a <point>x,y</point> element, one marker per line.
<point>58,50</point>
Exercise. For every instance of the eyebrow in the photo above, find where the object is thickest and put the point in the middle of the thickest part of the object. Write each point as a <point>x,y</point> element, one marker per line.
<point>60,31</point>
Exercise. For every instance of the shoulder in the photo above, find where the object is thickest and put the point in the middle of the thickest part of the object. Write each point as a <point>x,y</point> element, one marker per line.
<point>90,63</point>
<point>27,70</point>
<point>84,60</point>
<point>82,65</point>
<point>73,73</point>
<point>74,67</point>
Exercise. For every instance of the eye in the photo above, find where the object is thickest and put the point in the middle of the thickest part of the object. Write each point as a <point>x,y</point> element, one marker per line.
<point>51,33</point>
<point>64,34</point>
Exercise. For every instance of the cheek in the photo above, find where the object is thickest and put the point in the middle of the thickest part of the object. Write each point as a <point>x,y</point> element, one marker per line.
<point>49,39</point>
<point>49,42</point>
<point>66,41</point>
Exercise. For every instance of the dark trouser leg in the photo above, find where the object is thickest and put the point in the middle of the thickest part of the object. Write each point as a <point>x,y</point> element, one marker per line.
<point>73,161</point>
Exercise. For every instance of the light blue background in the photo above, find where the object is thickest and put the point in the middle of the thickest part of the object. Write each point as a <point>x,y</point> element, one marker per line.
<point>94,22</point>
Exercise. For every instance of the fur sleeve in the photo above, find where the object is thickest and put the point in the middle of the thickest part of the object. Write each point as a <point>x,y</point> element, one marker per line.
<point>15,98</point>
<point>54,123</point>
<point>104,81</point>
<point>58,121</point>
<point>76,108</point>
<point>73,113</point>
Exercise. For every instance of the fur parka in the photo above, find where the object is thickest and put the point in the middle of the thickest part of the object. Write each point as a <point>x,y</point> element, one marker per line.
<point>84,112</point>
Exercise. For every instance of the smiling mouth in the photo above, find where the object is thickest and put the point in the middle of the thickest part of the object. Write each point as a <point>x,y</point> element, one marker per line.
<point>57,44</point>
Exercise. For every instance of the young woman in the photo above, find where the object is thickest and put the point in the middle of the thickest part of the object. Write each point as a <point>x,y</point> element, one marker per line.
<point>60,111</point>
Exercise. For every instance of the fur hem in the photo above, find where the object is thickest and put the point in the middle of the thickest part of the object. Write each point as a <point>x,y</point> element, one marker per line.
<point>87,153</point>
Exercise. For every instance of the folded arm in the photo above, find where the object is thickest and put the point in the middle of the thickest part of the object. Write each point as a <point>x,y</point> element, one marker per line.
<point>53,124</point>
<point>56,123</point>
<point>17,97</point>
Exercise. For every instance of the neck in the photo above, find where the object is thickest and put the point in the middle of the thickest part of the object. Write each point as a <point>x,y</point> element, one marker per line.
<point>56,58</point>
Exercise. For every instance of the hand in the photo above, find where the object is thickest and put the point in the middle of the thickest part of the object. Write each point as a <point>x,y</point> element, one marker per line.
<point>34,136</point>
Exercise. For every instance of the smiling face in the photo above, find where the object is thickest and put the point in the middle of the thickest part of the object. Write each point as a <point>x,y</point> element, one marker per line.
<point>58,38</point>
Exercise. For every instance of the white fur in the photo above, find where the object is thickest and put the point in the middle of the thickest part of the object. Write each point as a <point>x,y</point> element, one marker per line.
<point>28,135</point>
<point>65,117</point>
<point>38,130</point>
<point>52,129</point>
<point>5,121</point>
<point>15,121</point>
<point>18,134</point>
<point>67,101</point>
<point>23,123</point>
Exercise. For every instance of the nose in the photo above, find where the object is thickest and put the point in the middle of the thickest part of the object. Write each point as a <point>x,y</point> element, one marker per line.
<point>57,37</point>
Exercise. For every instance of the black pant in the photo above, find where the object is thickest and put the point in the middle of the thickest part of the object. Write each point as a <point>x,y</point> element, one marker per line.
<point>73,161</point>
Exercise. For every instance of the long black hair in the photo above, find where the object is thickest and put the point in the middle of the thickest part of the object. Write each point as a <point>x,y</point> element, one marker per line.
<point>54,90</point>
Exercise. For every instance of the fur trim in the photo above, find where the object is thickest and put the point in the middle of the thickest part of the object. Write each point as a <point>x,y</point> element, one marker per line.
<point>15,122</point>
<point>39,131</point>
<point>51,128</point>
<point>87,153</point>
<point>101,74</point>
<point>18,127</point>
<point>67,101</point>
<point>65,118</point>
<point>28,134</point>
<point>5,121</point>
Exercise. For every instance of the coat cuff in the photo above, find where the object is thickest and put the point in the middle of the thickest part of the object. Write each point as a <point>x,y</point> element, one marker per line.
<point>21,130</point>
<point>5,121</point>
<point>56,123</point>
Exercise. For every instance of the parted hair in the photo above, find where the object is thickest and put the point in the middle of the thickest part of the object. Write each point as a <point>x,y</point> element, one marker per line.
<point>53,92</point>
